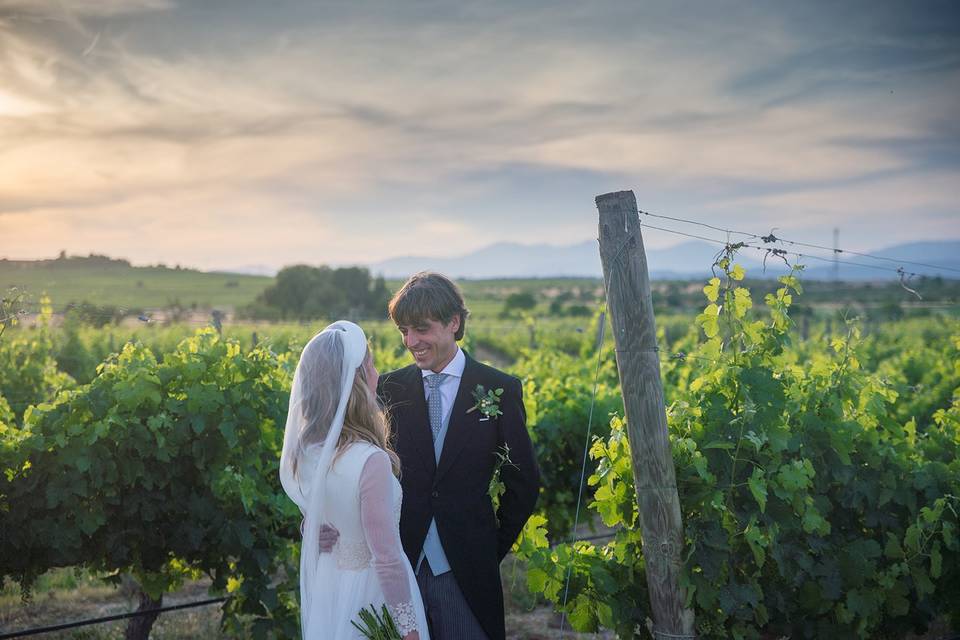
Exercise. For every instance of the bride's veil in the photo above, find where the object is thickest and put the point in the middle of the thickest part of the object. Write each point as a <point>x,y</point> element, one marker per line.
<point>318,401</point>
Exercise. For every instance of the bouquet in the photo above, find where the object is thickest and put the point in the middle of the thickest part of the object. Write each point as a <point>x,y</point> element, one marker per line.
<point>377,626</point>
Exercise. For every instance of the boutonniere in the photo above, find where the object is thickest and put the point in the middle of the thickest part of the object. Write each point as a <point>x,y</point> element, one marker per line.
<point>488,402</point>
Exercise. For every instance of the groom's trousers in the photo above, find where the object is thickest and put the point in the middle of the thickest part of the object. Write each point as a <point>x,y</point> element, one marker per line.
<point>448,614</point>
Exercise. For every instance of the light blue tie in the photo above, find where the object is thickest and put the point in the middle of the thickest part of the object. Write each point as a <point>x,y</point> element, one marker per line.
<point>434,403</point>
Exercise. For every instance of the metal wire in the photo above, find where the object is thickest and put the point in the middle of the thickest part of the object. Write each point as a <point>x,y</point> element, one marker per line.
<point>770,238</point>
<point>583,464</point>
<point>22,633</point>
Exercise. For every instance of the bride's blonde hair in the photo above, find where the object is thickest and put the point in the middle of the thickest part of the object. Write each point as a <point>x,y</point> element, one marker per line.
<point>363,420</point>
<point>366,421</point>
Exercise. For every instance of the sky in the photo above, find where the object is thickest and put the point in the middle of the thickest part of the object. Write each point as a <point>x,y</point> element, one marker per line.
<point>224,134</point>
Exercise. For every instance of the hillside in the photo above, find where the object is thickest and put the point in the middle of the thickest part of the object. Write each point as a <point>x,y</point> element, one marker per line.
<point>104,281</point>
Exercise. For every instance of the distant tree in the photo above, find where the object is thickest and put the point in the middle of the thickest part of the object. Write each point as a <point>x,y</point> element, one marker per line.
<point>176,311</point>
<point>354,283</point>
<point>673,299</point>
<point>586,294</point>
<point>63,261</point>
<point>303,292</point>
<point>380,297</point>
<point>801,310</point>
<point>291,290</point>
<point>890,311</point>
<point>520,301</point>
<point>94,315</point>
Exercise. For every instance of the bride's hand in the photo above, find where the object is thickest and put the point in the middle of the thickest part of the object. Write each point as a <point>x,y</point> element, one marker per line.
<point>328,538</point>
<point>413,635</point>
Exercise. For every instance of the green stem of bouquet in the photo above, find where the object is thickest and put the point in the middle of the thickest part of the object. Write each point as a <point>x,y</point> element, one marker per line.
<point>377,626</point>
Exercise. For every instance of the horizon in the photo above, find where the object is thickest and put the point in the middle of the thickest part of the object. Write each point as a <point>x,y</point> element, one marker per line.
<point>745,259</point>
<point>222,135</point>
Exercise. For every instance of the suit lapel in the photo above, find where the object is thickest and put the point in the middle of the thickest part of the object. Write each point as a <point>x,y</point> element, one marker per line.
<point>417,420</point>
<point>457,432</point>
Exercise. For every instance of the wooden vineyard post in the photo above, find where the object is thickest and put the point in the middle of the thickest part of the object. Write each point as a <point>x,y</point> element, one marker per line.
<point>631,315</point>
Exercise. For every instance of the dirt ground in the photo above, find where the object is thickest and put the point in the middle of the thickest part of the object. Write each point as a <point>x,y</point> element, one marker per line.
<point>65,596</point>
<point>69,599</point>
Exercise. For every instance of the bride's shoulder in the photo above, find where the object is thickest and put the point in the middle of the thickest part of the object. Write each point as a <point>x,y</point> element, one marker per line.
<point>354,459</point>
<point>359,451</point>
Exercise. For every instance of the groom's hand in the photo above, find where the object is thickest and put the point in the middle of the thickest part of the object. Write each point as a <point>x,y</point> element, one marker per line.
<point>328,538</point>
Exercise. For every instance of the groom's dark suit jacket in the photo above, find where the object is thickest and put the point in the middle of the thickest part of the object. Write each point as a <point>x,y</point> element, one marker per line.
<point>455,491</point>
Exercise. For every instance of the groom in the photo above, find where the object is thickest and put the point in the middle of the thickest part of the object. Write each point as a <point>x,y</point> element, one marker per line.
<point>447,447</point>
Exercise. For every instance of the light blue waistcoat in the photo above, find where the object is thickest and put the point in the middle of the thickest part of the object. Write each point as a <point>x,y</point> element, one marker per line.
<point>432,549</point>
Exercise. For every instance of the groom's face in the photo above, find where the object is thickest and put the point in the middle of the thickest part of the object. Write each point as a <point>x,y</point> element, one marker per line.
<point>431,342</point>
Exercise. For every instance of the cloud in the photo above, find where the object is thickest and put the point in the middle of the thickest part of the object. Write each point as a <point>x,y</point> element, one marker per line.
<point>457,125</point>
<point>69,10</point>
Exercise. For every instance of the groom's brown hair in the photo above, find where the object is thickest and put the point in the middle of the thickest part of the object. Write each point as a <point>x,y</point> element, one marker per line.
<point>432,295</point>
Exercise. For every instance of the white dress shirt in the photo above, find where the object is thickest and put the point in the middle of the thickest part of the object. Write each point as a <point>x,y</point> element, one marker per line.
<point>449,386</point>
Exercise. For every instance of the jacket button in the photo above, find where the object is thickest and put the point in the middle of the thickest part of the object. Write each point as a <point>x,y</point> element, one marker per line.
<point>435,494</point>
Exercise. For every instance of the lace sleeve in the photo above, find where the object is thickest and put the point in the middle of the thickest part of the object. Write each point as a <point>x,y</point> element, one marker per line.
<point>383,537</point>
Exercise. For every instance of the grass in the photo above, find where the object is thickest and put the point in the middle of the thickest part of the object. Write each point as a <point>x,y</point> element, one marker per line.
<point>116,283</point>
<point>121,285</point>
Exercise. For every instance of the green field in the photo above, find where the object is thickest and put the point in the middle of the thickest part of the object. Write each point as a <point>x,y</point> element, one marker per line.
<point>119,284</point>
<point>106,282</point>
<point>113,282</point>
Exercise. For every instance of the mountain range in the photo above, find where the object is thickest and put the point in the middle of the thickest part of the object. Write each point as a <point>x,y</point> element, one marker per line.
<point>683,261</point>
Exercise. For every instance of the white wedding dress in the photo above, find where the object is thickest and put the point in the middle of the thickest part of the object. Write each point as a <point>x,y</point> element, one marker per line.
<point>367,566</point>
<point>356,493</point>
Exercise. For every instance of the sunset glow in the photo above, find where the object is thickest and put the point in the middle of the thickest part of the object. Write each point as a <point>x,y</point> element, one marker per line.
<point>223,135</point>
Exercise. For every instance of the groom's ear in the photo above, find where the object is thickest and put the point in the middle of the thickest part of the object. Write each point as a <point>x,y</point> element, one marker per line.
<point>454,324</point>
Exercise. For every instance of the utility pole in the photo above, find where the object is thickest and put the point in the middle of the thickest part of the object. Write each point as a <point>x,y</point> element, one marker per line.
<point>638,363</point>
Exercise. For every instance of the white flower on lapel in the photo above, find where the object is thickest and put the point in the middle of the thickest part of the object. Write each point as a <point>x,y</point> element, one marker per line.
<point>488,402</point>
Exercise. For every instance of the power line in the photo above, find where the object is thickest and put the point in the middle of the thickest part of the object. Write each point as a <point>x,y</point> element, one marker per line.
<point>771,238</point>
<point>781,252</point>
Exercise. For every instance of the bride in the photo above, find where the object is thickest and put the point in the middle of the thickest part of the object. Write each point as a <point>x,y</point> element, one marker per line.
<point>337,465</point>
